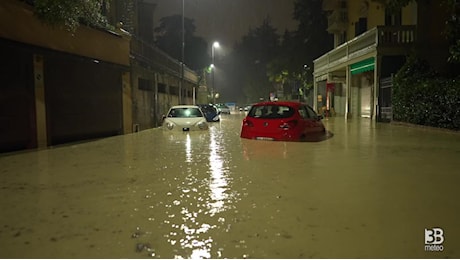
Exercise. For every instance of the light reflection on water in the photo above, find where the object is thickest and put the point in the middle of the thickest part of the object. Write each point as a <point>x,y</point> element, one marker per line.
<point>218,183</point>
<point>202,195</point>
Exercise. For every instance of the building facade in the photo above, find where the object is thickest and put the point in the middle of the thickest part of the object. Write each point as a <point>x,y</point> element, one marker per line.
<point>371,44</point>
<point>60,86</point>
<point>158,81</point>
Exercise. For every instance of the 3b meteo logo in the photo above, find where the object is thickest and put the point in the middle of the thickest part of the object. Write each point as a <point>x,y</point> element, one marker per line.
<point>434,238</point>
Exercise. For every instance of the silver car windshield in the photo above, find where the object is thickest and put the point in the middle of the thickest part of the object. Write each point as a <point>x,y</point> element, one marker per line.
<point>185,112</point>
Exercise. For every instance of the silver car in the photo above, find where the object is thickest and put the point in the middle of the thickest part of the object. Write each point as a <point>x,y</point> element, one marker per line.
<point>184,118</point>
<point>223,109</point>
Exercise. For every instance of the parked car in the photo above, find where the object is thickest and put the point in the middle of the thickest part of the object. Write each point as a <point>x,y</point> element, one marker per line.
<point>184,118</point>
<point>281,121</point>
<point>210,113</point>
<point>245,108</point>
<point>223,109</point>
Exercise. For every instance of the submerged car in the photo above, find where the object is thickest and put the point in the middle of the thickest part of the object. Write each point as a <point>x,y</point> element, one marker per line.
<point>223,109</point>
<point>185,118</point>
<point>281,121</point>
<point>245,108</point>
<point>210,113</point>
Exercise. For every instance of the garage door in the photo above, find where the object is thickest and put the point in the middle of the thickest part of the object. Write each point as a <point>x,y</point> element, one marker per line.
<point>17,101</point>
<point>84,99</point>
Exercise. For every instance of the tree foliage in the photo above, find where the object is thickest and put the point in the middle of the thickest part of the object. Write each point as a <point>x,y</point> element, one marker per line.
<point>453,30</point>
<point>420,96</point>
<point>71,13</point>
<point>169,38</point>
<point>250,59</point>
<point>293,67</point>
<point>266,61</point>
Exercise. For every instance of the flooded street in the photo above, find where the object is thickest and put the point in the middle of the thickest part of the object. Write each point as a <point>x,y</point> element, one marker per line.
<point>368,191</point>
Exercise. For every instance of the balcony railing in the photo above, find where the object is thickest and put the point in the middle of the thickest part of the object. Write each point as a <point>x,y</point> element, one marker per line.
<point>389,37</point>
<point>151,55</point>
<point>396,35</point>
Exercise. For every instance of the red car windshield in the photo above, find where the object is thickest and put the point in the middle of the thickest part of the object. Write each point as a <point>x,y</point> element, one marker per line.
<point>271,111</point>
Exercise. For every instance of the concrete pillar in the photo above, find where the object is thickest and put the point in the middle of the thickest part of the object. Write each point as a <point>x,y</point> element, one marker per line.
<point>157,118</point>
<point>40,105</point>
<point>315,94</point>
<point>376,88</point>
<point>347,92</point>
<point>127,103</point>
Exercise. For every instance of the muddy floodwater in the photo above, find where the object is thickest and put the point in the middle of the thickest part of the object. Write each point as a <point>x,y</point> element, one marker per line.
<point>367,190</point>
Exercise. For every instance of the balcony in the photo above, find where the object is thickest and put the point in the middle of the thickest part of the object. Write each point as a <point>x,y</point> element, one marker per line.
<point>384,40</point>
<point>151,56</point>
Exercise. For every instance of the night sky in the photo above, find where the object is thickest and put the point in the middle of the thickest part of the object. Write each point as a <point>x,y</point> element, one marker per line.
<point>227,21</point>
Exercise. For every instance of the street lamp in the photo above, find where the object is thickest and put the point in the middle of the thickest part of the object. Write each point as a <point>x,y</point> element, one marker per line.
<point>183,54</point>
<point>214,46</point>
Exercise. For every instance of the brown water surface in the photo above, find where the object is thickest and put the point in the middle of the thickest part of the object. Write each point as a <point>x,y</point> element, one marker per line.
<point>366,190</point>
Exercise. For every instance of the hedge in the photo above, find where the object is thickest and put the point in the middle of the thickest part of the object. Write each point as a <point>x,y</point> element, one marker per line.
<point>422,97</point>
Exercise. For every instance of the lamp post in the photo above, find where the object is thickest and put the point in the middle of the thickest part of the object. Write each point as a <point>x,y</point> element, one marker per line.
<point>183,55</point>
<point>214,46</point>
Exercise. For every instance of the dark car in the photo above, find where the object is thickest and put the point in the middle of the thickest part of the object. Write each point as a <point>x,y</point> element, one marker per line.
<point>210,113</point>
<point>281,121</point>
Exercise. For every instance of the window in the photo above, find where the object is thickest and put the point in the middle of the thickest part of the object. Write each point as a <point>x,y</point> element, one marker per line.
<point>161,88</point>
<point>307,113</point>
<point>393,18</point>
<point>185,112</point>
<point>361,26</point>
<point>303,112</point>
<point>174,90</point>
<point>342,37</point>
<point>311,113</point>
<point>144,84</point>
<point>271,111</point>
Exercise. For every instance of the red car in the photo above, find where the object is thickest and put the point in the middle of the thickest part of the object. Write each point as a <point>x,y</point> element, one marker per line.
<point>281,121</point>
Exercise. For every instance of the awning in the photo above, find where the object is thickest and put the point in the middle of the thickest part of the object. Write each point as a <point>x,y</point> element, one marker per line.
<point>362,66</point>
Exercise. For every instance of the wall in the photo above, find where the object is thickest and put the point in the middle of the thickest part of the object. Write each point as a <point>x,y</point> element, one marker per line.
<point>59,86</point>
<point>375,13</point>
<point>85,41</point>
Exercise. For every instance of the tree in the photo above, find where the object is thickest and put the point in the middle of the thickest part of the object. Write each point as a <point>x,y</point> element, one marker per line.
<point>169,38</point>
<point>311,39</point>
<point>288,65</point>
<point>453,31</point>
<point>71,13</point>
<point>299,48</point>
<point>250,59</point>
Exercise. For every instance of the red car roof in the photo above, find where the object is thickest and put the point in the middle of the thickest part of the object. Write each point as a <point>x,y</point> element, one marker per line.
<point>279,103</point>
